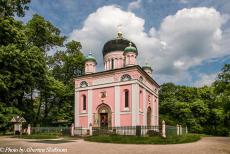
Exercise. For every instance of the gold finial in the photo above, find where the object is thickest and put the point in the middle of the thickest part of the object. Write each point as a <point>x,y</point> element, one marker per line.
<point>130,44</point>
<point>119,33</point>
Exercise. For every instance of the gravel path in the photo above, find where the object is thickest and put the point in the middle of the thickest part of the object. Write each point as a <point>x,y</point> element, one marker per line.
<point>207,145</point>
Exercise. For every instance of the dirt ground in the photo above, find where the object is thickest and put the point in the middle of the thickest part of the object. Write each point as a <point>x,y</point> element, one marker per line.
<point>207,145</point>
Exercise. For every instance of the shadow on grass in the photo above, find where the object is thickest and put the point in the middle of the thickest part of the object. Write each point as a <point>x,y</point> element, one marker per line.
<point>51,141</point>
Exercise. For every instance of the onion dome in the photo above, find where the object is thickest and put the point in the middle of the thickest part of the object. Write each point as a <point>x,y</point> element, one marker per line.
<point>117,44</point>
<point>147,66</point>
<point>90,57</point>
<point>130,48</point>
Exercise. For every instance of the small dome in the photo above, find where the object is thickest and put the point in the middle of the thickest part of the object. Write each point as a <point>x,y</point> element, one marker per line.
<point>130,48</point>
<point>90,57</point>
<point>147,66</point>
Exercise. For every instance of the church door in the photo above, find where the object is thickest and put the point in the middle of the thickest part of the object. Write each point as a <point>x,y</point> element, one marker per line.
<point>105,116</point>
<point>104,120</point>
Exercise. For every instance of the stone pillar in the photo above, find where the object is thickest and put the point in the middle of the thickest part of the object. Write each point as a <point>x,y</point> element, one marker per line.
<point>28,129</point>
<point>163,129</point>
<point>186,130</point>
<point>177,130</point>
<point>72,130</point>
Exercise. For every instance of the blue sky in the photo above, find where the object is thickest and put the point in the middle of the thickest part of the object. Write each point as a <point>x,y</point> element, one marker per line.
<point>185,41</point>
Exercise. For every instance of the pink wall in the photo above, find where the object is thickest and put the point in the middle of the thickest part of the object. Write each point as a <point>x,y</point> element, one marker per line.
<point>83,121</point>
<point>141,118</point>
<point>126,119</point>
<point>141,99</point>
<point>109,100</point>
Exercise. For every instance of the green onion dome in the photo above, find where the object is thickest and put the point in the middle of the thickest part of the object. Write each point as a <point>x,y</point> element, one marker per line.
<point>147,66</point>
<point>90,57</point>
<point>130,48</point>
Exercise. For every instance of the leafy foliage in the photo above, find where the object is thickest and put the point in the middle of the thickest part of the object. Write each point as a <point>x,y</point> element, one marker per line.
<point>203,110</point>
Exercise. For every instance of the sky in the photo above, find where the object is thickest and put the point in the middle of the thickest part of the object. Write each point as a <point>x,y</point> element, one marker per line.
<point>185,41</point>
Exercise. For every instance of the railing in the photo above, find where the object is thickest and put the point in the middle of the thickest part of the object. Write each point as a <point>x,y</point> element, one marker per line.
<point>50,130</point>
<point>127,130</point>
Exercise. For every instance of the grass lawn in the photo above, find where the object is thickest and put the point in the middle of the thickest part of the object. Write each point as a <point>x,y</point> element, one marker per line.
<point>144,140</point>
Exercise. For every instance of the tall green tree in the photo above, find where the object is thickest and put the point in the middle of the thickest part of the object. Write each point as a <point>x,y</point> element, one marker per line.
<point>8,8</point>
<point>43,34</point>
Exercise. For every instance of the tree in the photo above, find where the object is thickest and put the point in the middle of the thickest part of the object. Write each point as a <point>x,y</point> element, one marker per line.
<point>43,34</point>
<point>12,32</point>
<point>222,90</point>
<point>9,8</point>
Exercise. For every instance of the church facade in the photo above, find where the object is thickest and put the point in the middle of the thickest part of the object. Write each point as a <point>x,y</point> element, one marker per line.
<point>124,94</point>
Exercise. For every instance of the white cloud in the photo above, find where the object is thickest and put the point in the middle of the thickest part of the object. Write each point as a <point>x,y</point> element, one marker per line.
<point>183,40</point>
<point>134,5</point>
<point>205,80</point>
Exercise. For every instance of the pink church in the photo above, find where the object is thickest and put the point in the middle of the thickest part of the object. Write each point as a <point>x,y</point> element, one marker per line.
<point>124,94</point>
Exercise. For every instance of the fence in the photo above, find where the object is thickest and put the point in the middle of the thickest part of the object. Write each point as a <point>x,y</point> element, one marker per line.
<point>50,130</point>
<point>127,130</point>
<point>171,130</point>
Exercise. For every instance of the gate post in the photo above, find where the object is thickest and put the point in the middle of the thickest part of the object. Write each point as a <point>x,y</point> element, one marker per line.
<point>28,129</point>
<point>177,130</point>
<point>163,129</point>
<point>72,130</point>
<point>90,129</point>
<point>186,130</point>
<point>180,129</point>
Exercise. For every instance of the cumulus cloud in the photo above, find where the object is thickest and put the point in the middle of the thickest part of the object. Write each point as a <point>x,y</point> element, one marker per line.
<point>183,40</point>
<point>205,80</point>
<point>134,5</point>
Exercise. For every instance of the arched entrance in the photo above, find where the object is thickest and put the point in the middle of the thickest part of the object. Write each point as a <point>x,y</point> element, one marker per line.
<point>149,113</point>
<point>105,116</point>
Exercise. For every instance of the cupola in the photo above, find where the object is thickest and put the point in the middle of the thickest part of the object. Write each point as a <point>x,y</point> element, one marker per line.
<point>90,64</point>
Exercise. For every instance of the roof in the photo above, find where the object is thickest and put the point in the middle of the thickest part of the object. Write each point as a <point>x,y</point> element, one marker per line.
<point>90,57</point>
<point>17,119</point>
<point>123,68</point>
<point>147,66</point>
<point>130,48</point>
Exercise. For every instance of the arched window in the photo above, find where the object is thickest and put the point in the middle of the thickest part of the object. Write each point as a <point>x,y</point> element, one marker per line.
<point>83,102</point>
<point>83,84</point>
<point>126,98</point>
<point>125,77</point>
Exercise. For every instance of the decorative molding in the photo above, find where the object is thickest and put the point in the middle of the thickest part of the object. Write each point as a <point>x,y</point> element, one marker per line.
<point>117,106</point>
<point>90,103</point>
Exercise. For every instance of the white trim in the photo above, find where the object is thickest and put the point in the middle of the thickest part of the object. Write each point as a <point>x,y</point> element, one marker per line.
<point>144,107</point>
<point>76,108</point>
<point>117,106</point>
<point>125,112</point>
<point>120,83</point>
<point>135,104</point>
<point>90,102</point>
<point>126,109</point>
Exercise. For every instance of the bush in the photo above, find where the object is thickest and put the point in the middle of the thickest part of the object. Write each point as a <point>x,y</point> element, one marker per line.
<point>144,140</point>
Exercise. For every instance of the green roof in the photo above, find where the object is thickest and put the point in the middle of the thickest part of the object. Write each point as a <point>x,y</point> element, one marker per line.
<point>130,48</point>
<point>90,57</point>
<point>147,66</point>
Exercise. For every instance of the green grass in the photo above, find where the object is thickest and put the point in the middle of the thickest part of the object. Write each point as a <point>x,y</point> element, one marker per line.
<point>144,140</point>
<point>41,136</point>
